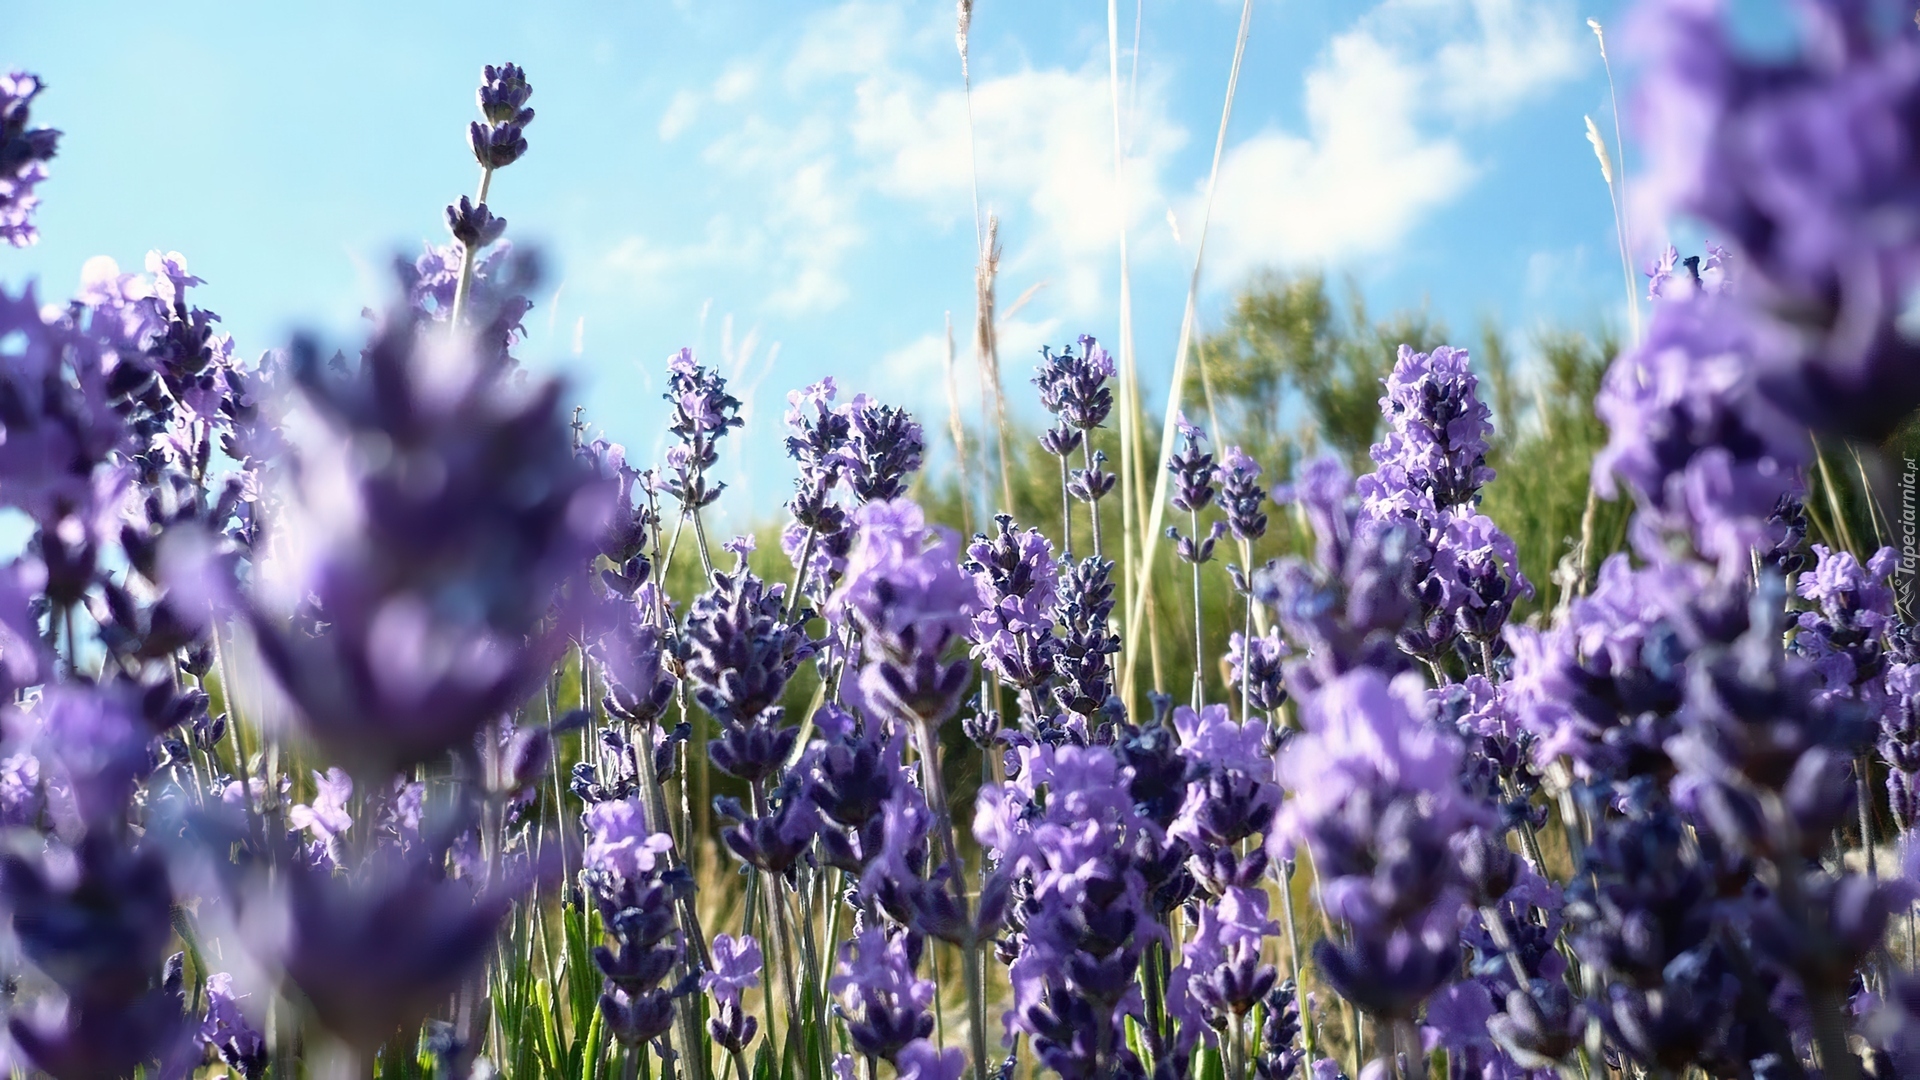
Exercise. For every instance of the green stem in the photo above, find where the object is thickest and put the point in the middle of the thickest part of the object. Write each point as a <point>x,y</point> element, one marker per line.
<point>1093,505</point>
<point>970,950</point>
<point>463,290</point>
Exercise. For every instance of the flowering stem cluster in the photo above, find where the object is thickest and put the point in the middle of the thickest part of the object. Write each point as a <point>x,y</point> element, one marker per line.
<point>284,771</point>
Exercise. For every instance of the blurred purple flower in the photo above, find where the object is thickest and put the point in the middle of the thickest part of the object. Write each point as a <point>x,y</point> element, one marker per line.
<point>620,843</point>
<point>1802,158</point>
<point>434,565</point>
<point>24,152</point>
<point>230,1032</point>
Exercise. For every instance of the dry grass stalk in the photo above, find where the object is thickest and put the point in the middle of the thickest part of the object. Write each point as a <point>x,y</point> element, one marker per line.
<point>986,350</point>
<point>959,429</point>
<point>1156,510</point>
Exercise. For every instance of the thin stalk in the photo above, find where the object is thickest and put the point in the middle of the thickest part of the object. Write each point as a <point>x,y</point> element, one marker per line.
<point>464,288</point>
<point>1066,510</point>
<point>1862,765</point>
<point>1199,618</point>
<point>970,950</point>
<point>1619,211</point>
<point>700,536</point>
<point>1308,1041</point>
<point>1156,507</point>
<point>1246,638</point>
<point>1389,1043</point>
<point>776,896</point>
<point>1093,505</point>
<point>756,901</point>
<point>954,421</point>
<point>1235,1066</point>
<point>800,572</point>
<point>1411,1038</point>
<point>1131,483</point>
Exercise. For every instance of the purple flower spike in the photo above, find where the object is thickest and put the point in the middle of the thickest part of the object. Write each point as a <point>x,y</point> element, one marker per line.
<point>1257,664</point>
<point>740,648</point>
<point>883,450</point>
<point>1703,452</point>
<point>94,919</point>
<point>428,572</point>
<point>380,947</point>
<point>230,1032</point>
<point>922,1060</point>
<point>474,227</point>
<point>24,152</point>
<point>1192,469</point>
<point>1221,963</point>
<point>1073,388</point>
<point>703,412</point>
<point>501,140</point>
<point>736,969</point>
<point>620,843</point>
<point>886,1004</point>
<point>1016,573</point>
<point>905,592</point>
<point>1801,156</point>
<point>1437,426</point>
<point>1241,495</point>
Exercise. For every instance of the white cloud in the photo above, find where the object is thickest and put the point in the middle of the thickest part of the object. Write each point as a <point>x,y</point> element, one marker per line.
<point>853,39</point>
<point>681,112</point>
<point>1386,105</point>
<point>1355,183</point>
<point>738,80</point>
<point>872,110</point>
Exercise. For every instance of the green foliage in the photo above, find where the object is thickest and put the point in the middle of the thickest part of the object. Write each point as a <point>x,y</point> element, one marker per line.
<point>1286,342</point>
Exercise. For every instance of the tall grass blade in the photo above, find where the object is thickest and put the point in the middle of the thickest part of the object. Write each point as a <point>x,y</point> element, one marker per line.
<point>1155,512</point>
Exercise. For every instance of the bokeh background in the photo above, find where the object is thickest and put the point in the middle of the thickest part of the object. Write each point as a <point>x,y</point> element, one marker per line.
<point>787,188</point>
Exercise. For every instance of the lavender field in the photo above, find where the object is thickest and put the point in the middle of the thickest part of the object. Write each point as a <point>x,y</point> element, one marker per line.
<point>1329,698</point>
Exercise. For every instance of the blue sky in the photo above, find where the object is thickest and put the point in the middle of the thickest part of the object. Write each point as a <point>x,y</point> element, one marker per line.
<point>786,186</point>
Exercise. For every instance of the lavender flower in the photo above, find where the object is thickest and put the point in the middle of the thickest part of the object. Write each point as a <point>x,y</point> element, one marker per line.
<point>886,1005</point>
<point>736,969</point>
<point>884,447</point>
<point>1345,608</point>
<point>1221,963</point>
<point>433,595</point>
<point>1192,469</point>
<point>1704,453</point>
<point>94,919</point>
<point>230,1032</point>
<point>740,651</point>
<point>1230,796</point>
<point>1437,426</point>
<point>703,412</point>
<point>1086,641</point>
<point>1067,825</point>
<point>1376,798</point>
<point>57,382</point>
<point>474,226</point>
<point>501,140</point>
<point>379,946</point>
<point>1240,495</point>
<point>1073,386</point>
<point>1844,636</point>
<point>1279,1029</point>
<point>904,592</point>
<point>628,875</point>
<point>1256,663</point>
<point>1015,573</point>
<point>1800,159</point>
<point>24,152</point>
